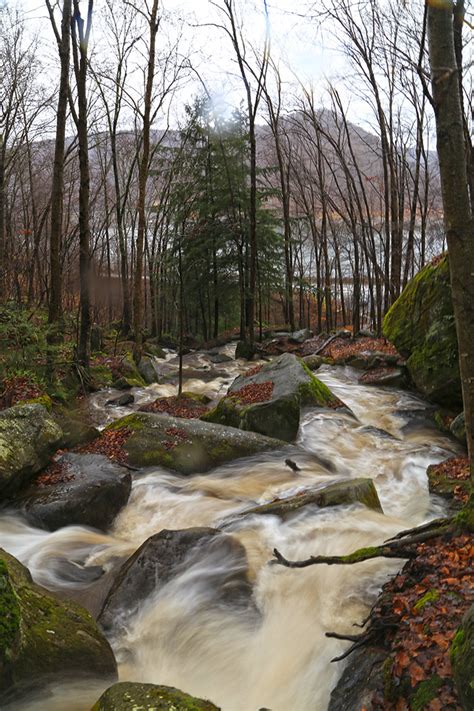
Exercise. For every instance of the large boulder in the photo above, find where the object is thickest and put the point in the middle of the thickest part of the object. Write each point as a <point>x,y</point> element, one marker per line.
<point>421,325</point>
<point>187,446</point>
<point>268,400</point>
<point>169,553</point>
<point>28,437</point>
<point>462,659</point>
<point>149,697</point>
<point>43,639</point>
<point>362,676</point>
<point>87,490</point>
<point>350,491</point>
<point>149,370</point>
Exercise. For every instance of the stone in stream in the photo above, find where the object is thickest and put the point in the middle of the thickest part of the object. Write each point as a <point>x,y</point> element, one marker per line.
<point>458,428</point>
<point>121,400</point>
<point>361,677</point>
<point>76,431</point>
<point>350,491</point>
<point>169,553</point>
<point>90,492</point>
<point>393,377</point>
<point>187,446</point>
<point>278,415</point>
<point>28,437</point>
<point>462,659</point>
<point>43,639</point>
<point>149,370</point>
<point>125,696</point>
<point>421,325</point>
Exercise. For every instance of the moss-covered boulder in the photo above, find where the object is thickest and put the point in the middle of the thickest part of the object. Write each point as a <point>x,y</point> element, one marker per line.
<point>269,400</point>
<point>458,428</point>
<point>187,446</point>
<point>350,491</point>
<point>421,325</point>
<point>126,696</point>
<point>87,490</point>
<point>28,437</point>
<point>76,430</point>
<point>149,370</point>
<point>220,559</point>
<point>42,638</point>
<point>462,659</point>
<point>450,479</point>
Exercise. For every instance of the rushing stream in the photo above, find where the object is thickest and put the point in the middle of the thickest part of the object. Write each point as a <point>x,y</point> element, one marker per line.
<point>279,660</point>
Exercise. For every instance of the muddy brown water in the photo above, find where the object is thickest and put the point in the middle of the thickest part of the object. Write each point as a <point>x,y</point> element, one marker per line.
<point>179,637</point>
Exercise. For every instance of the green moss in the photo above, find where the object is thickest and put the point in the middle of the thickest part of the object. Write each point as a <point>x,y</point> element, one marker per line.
<point>426,691</point>
<point>128,696</point>
<point>9,615</point>
<point>101,375</point>
<point>44,400</point>
<point>134,422</point>
<point>458,645</point>
<point>430,596</point>
<point>465,518</point>
<point>314,392</point>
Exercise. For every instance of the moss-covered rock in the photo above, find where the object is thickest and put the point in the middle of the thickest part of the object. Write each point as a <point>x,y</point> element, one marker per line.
<point>43,638</point>
<point>28,437</point>
<point>76,430</point>
<point>458,428</point>
<point>187,446</point>
<point>126,696</point>
<point>294,386</point>
<point>421,325</point>
<point>441,483</point>
<point>350,491</point>
<point>462,659</point>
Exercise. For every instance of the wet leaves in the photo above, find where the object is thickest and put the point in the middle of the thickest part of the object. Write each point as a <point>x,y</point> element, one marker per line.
<point>443,478</point>
<point>254,392</point>
<point>181,406</point>
<point>110,444</point>
<point>427,600</point>
<point>18,388</point>
<point>343,348</point>
<point>55,473</point>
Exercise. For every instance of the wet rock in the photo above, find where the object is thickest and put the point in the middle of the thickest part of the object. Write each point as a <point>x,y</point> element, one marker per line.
<point>462,659</point>
<point>458,428</point>
<point>421,325</point>
<point>91,493</point>
<point>76,431</point>
<point>149,370</point>
<point>279,415</point>
<point>153,349</point>
<point>149,697</point>
<point>301,336</point>
<point>28,437</point>
<point>393,377</point>
<point>121,401</point>
<point>222,576</point>
<point>187,446</point>
<point>130,376</point>
<point>370,360</point>
<point>44,639</point>
<point>244,350</point>
<point>313,362</point>
<point>350,491</point>
<point>220,358</point>
<point>361,677</point>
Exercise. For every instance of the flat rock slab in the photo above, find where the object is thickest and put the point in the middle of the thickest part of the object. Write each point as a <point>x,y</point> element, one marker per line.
<point>43,638</point>
<point>186,446</point>
<point>90,491</point>
<point>169,553</point>
<point>350,491</point>
<point>28,437</point>
<point>126,696</point>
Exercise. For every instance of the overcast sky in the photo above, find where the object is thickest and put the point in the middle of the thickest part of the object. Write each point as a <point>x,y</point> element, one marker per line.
<point>303,52</point>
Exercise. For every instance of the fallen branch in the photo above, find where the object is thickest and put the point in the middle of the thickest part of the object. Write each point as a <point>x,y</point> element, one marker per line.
<point>358,556</point>
<point>436,523</point>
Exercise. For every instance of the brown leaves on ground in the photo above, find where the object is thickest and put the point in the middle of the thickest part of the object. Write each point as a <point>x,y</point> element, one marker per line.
<point>177,406</point>
<point>253,371</point>
<point>55,473</point>
<point>426,603</point>
<point>343,348</point>
<point>453,469</point>
<point>110,444</point>
<point>178,436</point>
<point>375,375</point>
<point>254,392</point>
<point>16,389</point>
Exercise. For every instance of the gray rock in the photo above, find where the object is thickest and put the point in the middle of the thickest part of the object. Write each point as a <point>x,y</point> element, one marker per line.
<point>92,493</point>
<point>121,400</point>
<point>301,336</point>
<point>360,678</point>
<point>313,362</point>
<point>187,446</point>
<point>28,437</point>
<point>223,572</point>
<point>149,370</point>
<point>220,358</point>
